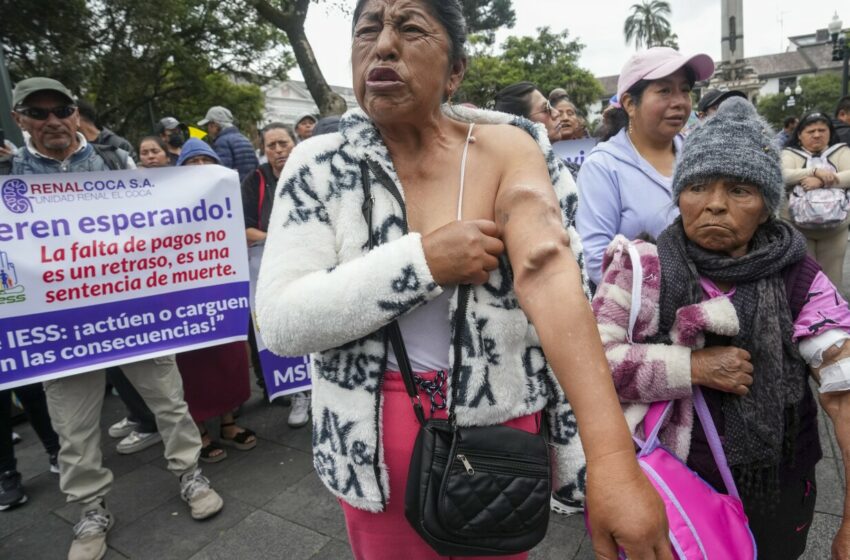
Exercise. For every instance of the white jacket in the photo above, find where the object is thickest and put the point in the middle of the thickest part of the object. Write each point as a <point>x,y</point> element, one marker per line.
<point>321,291</point>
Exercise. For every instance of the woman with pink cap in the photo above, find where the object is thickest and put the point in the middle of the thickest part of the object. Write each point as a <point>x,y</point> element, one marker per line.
<point>625,184</point>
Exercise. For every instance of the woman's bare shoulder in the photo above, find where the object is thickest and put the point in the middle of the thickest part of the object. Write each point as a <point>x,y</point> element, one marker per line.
<point>504,140</point>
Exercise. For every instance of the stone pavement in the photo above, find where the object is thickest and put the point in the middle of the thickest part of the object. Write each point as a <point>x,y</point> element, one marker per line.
<point>275,506</point>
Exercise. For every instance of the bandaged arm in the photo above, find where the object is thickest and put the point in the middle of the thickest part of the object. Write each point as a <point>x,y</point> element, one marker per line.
<point>828,347</point>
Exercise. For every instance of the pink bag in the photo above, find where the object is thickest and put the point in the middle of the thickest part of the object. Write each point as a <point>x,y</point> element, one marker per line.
<point>704,524</point>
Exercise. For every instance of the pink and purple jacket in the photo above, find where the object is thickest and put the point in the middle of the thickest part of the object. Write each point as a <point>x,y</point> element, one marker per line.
<point>644,373</point>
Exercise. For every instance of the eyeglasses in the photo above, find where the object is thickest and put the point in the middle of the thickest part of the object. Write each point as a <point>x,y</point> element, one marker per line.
<point>40,114</point>
<point>548,109</point>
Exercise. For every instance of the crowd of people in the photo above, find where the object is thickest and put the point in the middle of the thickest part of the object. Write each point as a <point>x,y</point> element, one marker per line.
<point>695,254</point>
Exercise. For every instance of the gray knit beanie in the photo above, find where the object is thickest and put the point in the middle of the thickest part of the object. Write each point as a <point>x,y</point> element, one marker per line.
<point>737,143</point>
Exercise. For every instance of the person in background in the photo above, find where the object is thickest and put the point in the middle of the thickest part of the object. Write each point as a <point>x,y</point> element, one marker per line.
<point>96,134</point>
<point>842,120</point>
<point>326,125</point>
<point>31,397</point>
<point>525,99</point>
<point>613,121</point>
<point>304,126</point>
<point>234,150</point>
<point>730,305</point>
<point>815,159</point>
<point>216,378</point>
<point>174,134</point>
<point>572,124</point>
<point>153,152</point>
<point>783,136</point>
<point>625,183</point>
<point>711,100</point>
<point>258,195</point>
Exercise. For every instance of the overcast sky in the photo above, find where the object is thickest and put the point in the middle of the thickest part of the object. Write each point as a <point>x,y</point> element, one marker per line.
<point>599,25</point>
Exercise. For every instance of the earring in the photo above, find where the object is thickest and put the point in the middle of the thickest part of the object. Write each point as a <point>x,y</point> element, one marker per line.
<point>631,127</point>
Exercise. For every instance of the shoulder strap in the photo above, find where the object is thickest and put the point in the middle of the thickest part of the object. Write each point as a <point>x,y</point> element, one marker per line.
<point>110,156</point>
<point>392,329</point>
<point>262,197</point>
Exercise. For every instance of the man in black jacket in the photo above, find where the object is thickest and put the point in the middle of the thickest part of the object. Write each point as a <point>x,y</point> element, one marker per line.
<point>842,119</point>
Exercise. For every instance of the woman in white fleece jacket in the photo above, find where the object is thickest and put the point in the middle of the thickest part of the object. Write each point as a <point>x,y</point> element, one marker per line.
<point>450,205</point>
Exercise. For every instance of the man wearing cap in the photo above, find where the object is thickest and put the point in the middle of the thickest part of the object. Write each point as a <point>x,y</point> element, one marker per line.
<point>45,109</point>
<point>304,126</point>
<point>232,147</point>
<point>174,134</point>
<point>712,99</point>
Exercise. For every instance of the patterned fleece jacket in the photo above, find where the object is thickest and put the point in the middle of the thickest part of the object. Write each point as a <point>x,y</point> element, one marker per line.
<point>321,291</point>
<point>645,373</point>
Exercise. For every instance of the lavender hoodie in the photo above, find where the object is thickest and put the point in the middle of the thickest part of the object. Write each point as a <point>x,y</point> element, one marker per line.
<point>620,193</point>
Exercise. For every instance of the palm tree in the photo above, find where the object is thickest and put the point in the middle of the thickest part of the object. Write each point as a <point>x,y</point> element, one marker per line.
<point>647,24</point>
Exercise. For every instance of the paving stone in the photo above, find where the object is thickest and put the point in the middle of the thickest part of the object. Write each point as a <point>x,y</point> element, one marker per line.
<point>266,471</point>
<point>43,496</point>
<point>334,550</point>
<point>269,422</point>
<point>47,538</point>
<point>826,435</point>
<point>133,495</point>
<point>310,504</point>
<point>585,551</point>
<point>820,536</point>
<point>830,488</point>
<point>561,541</point>
<point>263,535</point>
<point>170,532</point>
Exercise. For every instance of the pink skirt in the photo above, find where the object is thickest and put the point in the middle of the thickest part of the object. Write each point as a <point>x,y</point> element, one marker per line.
<point>387,535</point>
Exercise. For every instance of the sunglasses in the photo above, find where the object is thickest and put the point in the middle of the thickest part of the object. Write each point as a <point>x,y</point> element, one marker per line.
<point>548,109</point>
<point>39,114</point>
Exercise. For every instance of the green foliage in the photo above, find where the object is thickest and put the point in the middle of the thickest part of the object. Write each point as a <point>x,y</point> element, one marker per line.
<point>648,25</point>
<point>550,60</point>
<point>139,61</point>
<point>820,92</point>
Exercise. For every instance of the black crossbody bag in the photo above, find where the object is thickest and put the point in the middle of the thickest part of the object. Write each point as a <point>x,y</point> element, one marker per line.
<point>471,491</point>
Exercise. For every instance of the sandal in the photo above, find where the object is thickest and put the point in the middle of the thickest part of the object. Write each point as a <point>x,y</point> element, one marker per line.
<point>244,440</point>
<point>211,452</point>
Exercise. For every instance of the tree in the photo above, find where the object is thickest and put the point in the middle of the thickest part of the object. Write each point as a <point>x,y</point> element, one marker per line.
<point>648,24</point>
<point>138,61</point>
<point>549,60</point>
<point>289,16</point>
<point>820,93</point>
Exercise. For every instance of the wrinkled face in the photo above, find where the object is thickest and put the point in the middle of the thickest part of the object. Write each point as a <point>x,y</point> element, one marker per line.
<point>304,129</point>
<point>814,137</point>
<point>200,160</point>
<point>570,122</point>
<point>542,112</point>
<point>277,144</point>
<point>664,107</point>
<point>55,136</point>
<point>400,61</point>
<point>151,155</point>
<point>722,215</point>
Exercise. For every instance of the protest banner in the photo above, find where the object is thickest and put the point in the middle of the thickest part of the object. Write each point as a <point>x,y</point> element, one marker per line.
<point>100,269</point>
<point>283,375</point>
<point>574,150</point>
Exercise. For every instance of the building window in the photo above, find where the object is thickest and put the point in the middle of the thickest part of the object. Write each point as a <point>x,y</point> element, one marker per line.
<point>790,82</point>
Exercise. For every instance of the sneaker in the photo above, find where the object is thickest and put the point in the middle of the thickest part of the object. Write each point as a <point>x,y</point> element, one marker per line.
<point>204,502</point>
<point>54,463</point>
<point>137,441</point>
<point>565,507</point>
<point>90,533</point>
<point>300,413</point>
<point>16,438</point>
<point>11,490</point>
<point>122,428</point>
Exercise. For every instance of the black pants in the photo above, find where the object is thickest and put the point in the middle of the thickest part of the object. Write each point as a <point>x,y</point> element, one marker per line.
<point>35,405</point>
<point>255,356</point>
<point>138,411</point>
<point>782,533</point>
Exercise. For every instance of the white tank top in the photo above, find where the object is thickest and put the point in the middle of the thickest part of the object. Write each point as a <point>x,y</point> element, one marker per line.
<point>427,329</point>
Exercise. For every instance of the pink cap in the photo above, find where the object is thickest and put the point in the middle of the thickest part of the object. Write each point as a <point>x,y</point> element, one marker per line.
<point>660,62</point>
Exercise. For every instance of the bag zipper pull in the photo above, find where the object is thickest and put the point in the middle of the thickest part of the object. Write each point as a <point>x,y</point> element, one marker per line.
<point>469,470</point>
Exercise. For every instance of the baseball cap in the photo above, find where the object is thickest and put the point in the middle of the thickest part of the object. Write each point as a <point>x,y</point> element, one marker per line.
<point>715,97</point>
<point>25,88</point>
<point>168,123</point>
<point>306,116</point>
<point>659,62</point>
<point>217,114</point>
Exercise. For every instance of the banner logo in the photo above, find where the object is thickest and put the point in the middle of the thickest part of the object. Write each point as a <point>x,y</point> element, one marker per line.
<point>14,193</point>
<point>11,291</point>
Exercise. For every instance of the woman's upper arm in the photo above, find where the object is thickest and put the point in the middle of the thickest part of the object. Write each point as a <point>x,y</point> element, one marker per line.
<point>792,171</point>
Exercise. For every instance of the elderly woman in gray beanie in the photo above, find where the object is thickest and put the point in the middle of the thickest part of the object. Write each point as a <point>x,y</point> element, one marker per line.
<point>731,303</point>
